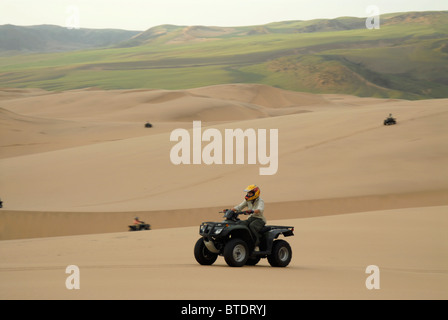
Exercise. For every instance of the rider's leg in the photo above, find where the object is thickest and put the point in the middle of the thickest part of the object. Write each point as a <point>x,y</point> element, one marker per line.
<point>255,227</point>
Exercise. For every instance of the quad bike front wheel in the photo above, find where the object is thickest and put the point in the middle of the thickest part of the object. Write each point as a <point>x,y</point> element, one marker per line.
<point>204,256</point>
<point>236,253</point>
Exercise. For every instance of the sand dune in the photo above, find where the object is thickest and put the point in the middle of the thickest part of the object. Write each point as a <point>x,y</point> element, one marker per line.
<point>25,134</point>
<point>330,257</point>
<point>262,95</point>
<point>81,163</point>
<point>326,153</point>
<point>36,224</point>
<point>218,103</point>
<point>14,93</point>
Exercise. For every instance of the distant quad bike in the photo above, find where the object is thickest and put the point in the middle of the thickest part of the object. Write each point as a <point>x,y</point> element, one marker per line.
<point>390,121</point>
<point>148,125</point>
<point>140,227</point>
<point>234,241</point>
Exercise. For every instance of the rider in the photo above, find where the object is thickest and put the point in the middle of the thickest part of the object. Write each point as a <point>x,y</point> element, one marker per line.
<point>137,221</point>
<point>255,204</point>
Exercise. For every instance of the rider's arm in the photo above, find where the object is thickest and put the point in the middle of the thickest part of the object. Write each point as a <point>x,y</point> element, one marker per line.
<point>240,207</point>
<point>259,208</point>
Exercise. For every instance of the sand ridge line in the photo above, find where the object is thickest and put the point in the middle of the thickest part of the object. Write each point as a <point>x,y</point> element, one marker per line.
<point>49,224</point>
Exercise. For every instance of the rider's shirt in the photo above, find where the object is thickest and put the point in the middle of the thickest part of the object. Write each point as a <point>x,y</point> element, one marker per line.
<point>258,204</point>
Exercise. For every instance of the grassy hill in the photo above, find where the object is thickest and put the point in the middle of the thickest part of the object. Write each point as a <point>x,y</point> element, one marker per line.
<point>48,38</point>
<point>406,58</point>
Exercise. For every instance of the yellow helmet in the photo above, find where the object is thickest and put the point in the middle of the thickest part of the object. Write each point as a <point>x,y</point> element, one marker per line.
<point>255,192</point>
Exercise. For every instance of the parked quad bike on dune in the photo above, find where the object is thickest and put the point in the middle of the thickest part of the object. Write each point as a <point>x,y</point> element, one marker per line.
<point>234,241</point>
<point>140,227</point>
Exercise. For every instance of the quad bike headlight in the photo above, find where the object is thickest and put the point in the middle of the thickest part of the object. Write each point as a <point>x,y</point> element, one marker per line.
<point>218,230</point>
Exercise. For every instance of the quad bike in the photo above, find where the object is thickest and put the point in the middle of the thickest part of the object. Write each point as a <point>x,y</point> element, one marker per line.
<point>390,121</point>
<point>139,227</point>
<point>234,241</point>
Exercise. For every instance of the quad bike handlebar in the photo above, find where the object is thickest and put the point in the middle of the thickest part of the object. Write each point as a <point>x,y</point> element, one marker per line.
<point>229,214</point>
<point>246,212</point>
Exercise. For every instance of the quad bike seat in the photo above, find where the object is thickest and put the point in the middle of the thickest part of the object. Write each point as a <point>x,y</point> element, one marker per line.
<point>265,229</point>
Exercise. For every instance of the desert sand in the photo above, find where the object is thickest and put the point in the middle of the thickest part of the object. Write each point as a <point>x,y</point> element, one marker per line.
<point>77,166</point>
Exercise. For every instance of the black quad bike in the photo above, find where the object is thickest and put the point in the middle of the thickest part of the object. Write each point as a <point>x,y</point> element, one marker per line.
<point>389,121</point>
<point>140,227</point>
<point>232,239</point>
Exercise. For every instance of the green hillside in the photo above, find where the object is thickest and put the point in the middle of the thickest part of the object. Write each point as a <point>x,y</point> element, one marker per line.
<point>49,38</point>
<point>406,58</point>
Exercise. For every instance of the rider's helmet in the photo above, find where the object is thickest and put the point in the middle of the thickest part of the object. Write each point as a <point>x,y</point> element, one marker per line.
<point>253,192</point>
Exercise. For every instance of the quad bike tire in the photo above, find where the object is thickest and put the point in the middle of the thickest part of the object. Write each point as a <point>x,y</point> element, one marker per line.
<point>236,253</point>
<point>281,254</point>
<point>203,255</point>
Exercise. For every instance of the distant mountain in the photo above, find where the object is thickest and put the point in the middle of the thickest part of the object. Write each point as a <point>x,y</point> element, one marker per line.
<point>178,34</point>
<point>406,58</point>
<point>49,38</point>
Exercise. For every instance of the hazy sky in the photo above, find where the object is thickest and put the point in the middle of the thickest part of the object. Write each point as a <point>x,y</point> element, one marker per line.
<point>143,14</point>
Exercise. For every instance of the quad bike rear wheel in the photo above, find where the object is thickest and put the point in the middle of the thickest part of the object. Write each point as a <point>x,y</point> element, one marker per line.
<point>281,254</point>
